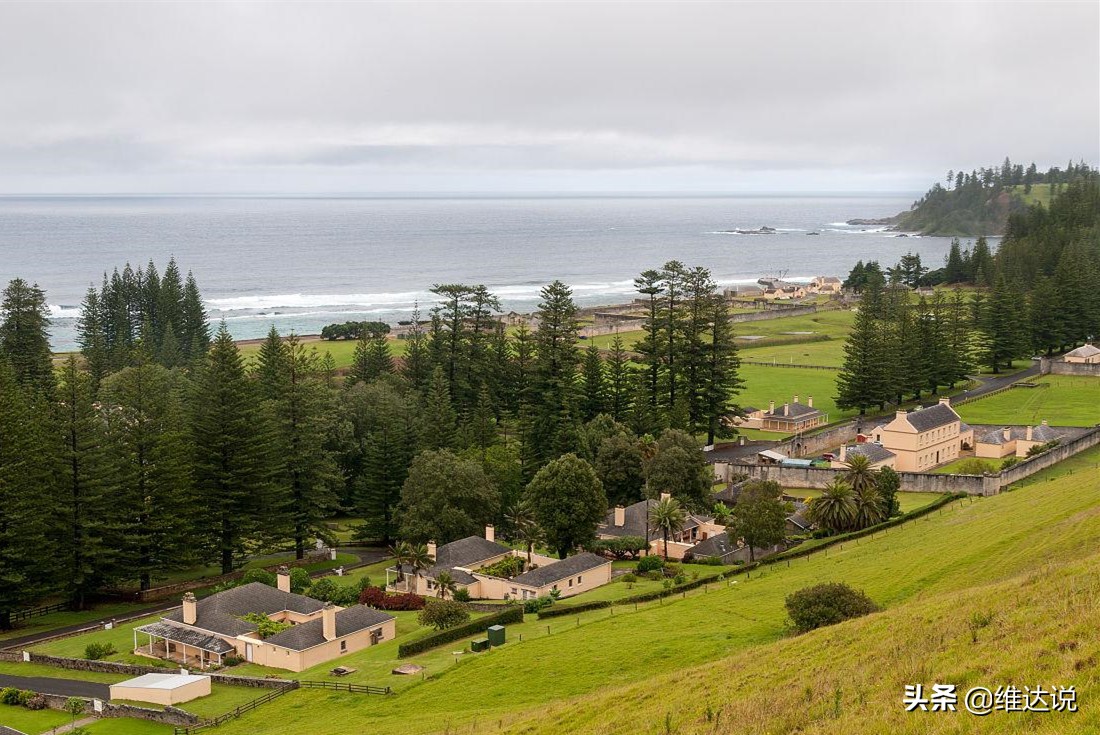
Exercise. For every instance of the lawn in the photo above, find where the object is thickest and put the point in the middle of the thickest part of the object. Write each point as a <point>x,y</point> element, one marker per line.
<point>975,542</point>
<point>116,726</point>
<point>764,384</point>
<point>31,721</point>
<point>122,637</point>
<point>342,351</point>
<point>1062,400</point>
<point>823,352</point>
<point>1039,194</point>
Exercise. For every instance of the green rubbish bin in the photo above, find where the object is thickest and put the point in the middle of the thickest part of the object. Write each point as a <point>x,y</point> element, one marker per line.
<point>496,635</point>
<point>479,644</point>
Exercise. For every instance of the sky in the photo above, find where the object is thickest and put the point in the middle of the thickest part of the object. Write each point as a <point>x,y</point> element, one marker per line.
<point>253,97</point>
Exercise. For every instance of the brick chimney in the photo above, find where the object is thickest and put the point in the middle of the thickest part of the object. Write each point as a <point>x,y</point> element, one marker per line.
<point>620,516</point>
<point>328,621</point>
<point>190,609</point>
<point>795,398</point>
<point>810,401</point>
<point>1029,432</point>
<point>431,549</point>
<point>786,409</point>
<point>946,401</point>
<point>1044,423</point>
<point>1006,433</point>
<point>900,414</point>
<point>282,579</point>
<point>771,406</point>
<point>490,533</point>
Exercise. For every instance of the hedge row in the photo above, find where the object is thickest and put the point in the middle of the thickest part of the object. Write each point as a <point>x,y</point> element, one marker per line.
<point>511,614</point>
<point>558,610</point>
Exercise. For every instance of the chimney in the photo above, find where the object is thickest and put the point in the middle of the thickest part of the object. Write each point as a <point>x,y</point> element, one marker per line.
<point>786,409</point>
<point>665,496</point>
<point>1006,433</point>
<point>843,452</point>
<point>490,533</point>
<point>771,406</point>
<point>431,549</point>
<point>190,609</point>
<point>795,398</point>
<point>946,401</point>
<point>1043,423</point>
<point>1029,432</point>
<point>810,401</point>
<point>328,621</point>
<point>620,516</point>
<point>282,579</point>
<point>900,414</point>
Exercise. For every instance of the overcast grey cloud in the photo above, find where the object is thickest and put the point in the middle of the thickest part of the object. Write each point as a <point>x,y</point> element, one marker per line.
<point>373,97</point>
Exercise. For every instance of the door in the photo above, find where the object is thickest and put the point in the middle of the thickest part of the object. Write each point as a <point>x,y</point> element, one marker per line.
<point>248,652</point>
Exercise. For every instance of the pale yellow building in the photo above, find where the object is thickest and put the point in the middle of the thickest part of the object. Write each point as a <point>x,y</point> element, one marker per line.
<point>163,689</point>
<point>1084,355</point>
<point>1013,441</point>
<point>205,632</point>
<point>924,438</point>
<point>877,456</point>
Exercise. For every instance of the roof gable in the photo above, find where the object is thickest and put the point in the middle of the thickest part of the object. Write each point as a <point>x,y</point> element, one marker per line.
<point>221,612</point>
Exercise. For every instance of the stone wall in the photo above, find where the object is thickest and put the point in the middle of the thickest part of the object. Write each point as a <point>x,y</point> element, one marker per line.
<point>772,313</point>
<point>1059,367</point>
<point>818,442</point>
<point>114,667</point>
<point>167,716</point>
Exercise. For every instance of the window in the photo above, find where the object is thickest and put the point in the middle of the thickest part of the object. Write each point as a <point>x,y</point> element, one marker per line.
<point>579,578</point>
<point>343,646</point>
<point>570,583</point>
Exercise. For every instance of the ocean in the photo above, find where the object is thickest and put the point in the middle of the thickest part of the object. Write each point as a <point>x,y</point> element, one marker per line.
<point>303,262</point>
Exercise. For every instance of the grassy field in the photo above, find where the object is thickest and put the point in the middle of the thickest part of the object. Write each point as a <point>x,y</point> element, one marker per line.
<point>342,351</point>
<point>1039,194</point>
<point>68,617</point>
<point>763,384</point>
<point>972,547</point>
<point>1062,400</point>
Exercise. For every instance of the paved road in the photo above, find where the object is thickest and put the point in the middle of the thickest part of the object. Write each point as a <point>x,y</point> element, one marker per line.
<point>64,687</point>
<point>993,383</point>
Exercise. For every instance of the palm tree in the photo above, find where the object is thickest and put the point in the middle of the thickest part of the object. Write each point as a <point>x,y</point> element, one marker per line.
<point>446,584</point>
<point>400,553</point>
<point>835,509</point>
<point>419,559</point>
<point>870,508</point>
<point>668,517</point>
<point>858,473</point>
<point>524,527</point>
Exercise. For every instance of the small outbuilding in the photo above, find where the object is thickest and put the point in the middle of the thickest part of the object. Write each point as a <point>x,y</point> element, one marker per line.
<point>164,689</point>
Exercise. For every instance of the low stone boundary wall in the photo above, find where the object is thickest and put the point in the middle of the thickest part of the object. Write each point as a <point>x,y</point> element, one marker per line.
<point>115,667</point>
<point>167,716</point>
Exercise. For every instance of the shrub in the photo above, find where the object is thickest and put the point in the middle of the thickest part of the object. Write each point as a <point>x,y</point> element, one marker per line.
<point>629,578</point>
<point>443,614</point>
<point>364,582</point>
<point>688,557</point>
<point>346,595</point>
<point>232,660</point>
<point>265,626</point>
<point>97,651</point>
<point>10,695</point>
<point>625,546</point>
<point>822,533</point>
<point>680,579</point>
<point>299,580</point>
<point>34,701</point>
<point>259,575</point>
<point>508,567</point>
<point>535,604</point>
<point>382,600</point>
<point>574,609</point>
<point>325,589</point>
<point>974,466</point>
<point>827,604</point>
<point>462,594</point>
<point>651,563</point>
<point>511,614</point>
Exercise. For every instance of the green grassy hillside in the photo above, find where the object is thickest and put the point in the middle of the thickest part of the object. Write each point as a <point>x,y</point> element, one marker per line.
<point>1062,400</point>
<point>624,668</point>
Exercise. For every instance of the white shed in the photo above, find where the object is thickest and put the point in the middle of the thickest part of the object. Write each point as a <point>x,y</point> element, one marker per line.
<point>163,689</point>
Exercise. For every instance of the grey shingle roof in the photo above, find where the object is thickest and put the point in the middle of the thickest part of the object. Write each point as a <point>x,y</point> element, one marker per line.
<point>1044,433</point>
<point>799,517</point>
<point>349,620</point>
<point>794,411</point>
<point>1084,351</point>
<point>466,552</point>
<point>221,612</point>
<point>5,730</point>
<point>186,636</point>
<point>717,545</point>
<point>873,452</point>
<point>997,436</point>
<point>560,570</point>
<point>636,520</point>
<point>933,417</point>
